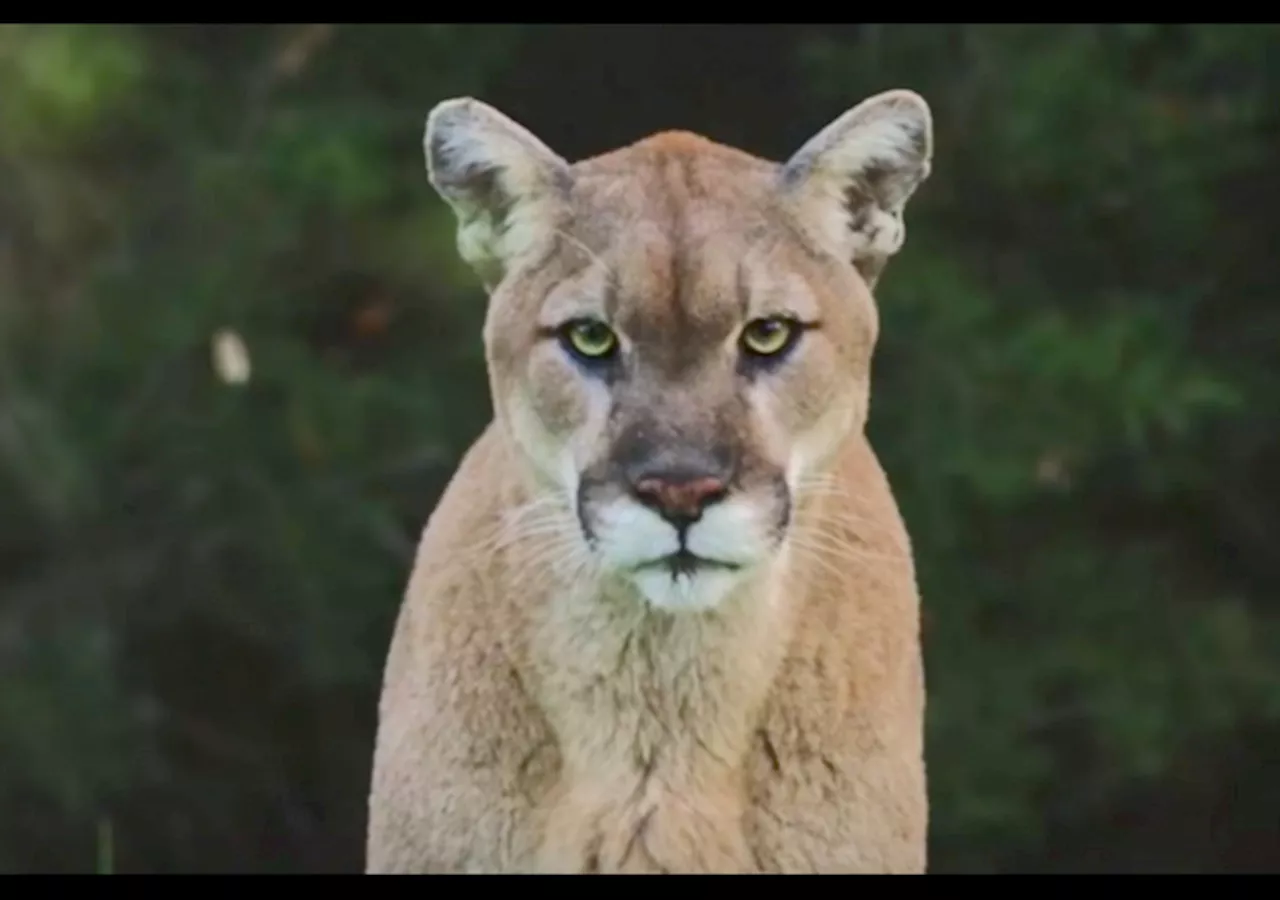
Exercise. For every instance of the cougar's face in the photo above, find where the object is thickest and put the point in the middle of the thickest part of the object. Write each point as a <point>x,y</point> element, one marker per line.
<point>679,334</point>
<point>676,384</point>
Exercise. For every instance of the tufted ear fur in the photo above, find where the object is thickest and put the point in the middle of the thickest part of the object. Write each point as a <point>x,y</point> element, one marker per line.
<point>849,184</point>
<point>505,186</point>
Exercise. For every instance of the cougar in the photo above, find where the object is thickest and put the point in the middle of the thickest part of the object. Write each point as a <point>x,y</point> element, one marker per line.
<point>664,618</point>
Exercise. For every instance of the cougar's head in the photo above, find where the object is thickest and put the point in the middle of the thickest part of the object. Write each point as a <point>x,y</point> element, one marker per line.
<point>679,334</point>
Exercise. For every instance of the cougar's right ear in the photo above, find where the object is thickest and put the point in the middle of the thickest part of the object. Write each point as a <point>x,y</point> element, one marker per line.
<point>850,183</point>
<point>506,187</point>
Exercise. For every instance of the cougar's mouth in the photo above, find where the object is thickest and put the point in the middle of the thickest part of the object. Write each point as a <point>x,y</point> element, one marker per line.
<point>683,562</point>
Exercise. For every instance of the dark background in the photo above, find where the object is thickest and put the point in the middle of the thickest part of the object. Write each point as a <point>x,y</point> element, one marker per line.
<point>1076,397</point>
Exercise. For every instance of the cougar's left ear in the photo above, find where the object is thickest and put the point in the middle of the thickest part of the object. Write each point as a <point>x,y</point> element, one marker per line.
<point>849,184</point>
<point>505,186</point>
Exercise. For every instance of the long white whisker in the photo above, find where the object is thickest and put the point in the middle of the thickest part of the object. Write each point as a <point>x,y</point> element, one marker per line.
<point>828,551</point>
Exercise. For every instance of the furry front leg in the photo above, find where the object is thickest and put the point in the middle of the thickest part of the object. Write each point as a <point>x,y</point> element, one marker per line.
<point>655,831</point>
<point>428,816</point>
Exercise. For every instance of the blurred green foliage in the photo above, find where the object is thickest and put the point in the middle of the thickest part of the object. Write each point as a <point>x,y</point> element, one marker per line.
<point>1077,397</point>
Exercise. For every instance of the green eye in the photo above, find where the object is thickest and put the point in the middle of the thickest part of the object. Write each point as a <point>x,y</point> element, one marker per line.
<point>590,339</point>
<point>769,337</point>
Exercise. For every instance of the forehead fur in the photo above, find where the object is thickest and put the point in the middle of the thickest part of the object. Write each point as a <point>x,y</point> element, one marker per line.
<point>681,225</point>
<point>677,188</point>
<point>669,171</point>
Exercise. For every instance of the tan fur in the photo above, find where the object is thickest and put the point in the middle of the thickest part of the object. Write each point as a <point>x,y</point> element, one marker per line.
<point>537,714</point>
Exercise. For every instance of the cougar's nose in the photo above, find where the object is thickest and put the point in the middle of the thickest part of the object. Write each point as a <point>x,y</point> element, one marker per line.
<point>679,494</point>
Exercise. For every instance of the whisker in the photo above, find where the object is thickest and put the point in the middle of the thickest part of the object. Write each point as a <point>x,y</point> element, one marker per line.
<point>818,541</point>
<point>539,529</point>
<point>820,536</point>
<point>564,555</point>
<point>820,559</point>
<point>533,518</point>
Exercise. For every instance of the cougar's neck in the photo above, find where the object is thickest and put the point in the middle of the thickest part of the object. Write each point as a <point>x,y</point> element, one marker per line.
<point>627,687</point>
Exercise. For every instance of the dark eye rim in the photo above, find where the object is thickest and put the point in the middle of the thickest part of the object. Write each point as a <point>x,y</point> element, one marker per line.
<point>564,330</point>
<point>796,330</point>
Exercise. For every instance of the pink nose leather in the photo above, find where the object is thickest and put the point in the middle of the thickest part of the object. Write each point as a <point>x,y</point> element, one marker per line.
<point>683,499</point>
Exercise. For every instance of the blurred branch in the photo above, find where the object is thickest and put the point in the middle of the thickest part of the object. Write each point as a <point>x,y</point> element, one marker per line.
<point>286,61</point>
<point>299,48</point>
<point>106,848</point>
